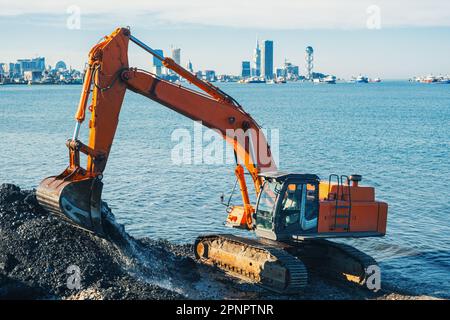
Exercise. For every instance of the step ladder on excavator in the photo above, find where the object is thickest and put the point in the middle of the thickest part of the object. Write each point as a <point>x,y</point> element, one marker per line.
<point>341,211</point>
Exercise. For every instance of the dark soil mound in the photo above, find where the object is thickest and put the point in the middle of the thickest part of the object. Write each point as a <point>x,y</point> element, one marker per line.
<point>40,256</point>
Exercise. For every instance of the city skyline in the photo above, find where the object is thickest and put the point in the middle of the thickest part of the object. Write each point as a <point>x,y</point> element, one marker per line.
<point>403,46</point>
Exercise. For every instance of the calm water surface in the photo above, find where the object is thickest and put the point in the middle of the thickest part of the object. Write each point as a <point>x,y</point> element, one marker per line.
<point>396,134</point>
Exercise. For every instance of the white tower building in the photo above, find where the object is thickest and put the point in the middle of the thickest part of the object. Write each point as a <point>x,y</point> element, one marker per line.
<point>256,70</point>
<point>309,57</point>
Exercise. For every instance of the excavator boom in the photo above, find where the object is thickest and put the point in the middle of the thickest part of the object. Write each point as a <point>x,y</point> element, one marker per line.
<point>76,192</point>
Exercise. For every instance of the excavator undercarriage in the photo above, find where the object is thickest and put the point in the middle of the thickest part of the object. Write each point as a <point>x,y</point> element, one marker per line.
<point>253,261</point>
<point>281,266</point>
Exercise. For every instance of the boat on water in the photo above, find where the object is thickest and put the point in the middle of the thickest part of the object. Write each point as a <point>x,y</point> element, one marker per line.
<point>256,81</point>
<point>428,79</point>
<point>326,80</point>
<point>360,79</point>
<point>252,80</point>
<point>276,81</point>
<point>329,79</point>
<point>432,79</point>
<point>375,80</point>
<point>443,80</point>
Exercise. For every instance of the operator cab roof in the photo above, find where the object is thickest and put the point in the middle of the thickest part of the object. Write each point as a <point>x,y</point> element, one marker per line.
<point>280,176</point>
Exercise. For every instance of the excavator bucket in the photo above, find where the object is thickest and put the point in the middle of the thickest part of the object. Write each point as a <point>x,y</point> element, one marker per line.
<point>78,201</point>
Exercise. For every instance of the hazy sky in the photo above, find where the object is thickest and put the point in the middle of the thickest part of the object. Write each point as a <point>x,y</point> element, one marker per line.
<point>385,38</point>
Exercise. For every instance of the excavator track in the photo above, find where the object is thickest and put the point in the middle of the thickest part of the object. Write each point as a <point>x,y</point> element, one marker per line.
<point>283,267</point>
<point>253,261</point>
<point>333,260</point>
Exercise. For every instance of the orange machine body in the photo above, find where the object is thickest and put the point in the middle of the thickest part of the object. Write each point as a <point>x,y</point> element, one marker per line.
<point>350,209</point>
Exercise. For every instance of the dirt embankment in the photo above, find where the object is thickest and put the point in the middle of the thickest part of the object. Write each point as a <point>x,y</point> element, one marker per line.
<point>43,257</point>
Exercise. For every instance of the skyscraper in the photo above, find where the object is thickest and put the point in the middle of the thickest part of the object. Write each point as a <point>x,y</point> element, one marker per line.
<point>176,55</point>
<point>256,70</point>
<point>157,64</point>
<point>189,66</point>
<point>309,57</point>
<point>210,75</point>
<point>267,60</point>
<point>291,72</point>
<point>245,73</point>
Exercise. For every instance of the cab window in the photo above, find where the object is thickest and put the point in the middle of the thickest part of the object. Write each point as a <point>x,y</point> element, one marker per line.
<point>290,205</point>
<point>266,204</point>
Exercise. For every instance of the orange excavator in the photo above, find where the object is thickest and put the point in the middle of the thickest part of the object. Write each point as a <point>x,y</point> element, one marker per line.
<point>295,213</point>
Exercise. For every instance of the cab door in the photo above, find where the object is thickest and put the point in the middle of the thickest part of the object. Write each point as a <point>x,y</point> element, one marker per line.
<point>310,207</point>
<point>266,206</point>
<point>298,209</point>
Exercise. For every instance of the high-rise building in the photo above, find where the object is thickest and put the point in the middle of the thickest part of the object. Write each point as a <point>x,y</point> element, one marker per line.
<point>157,64</point>
<point>245,72</point>
<point>291,71</point>
<point>210,75</point>
<point>35,64</point>
<point>14,69</point>
<point>267,60</point>
<point>189,66</point>
<point>280,72</point>
<point>32,75</point>
<point>176,55</point>
<point>256,70</point>
<point>39,63</point>
<point>156,61</point>
<point>309,57</point>
<point>294,72</point>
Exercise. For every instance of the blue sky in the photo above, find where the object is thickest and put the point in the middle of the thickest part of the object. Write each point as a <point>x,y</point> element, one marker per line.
<point>388,39</point>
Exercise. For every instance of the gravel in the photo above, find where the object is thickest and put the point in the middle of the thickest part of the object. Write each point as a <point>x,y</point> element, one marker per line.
<point>36,250</point>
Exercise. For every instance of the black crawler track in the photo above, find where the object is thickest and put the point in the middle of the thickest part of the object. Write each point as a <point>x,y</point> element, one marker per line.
<point>326,258</point>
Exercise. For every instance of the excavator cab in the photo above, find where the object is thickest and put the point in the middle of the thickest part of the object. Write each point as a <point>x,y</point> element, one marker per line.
<point>300,206</point>
<point>287,205</point>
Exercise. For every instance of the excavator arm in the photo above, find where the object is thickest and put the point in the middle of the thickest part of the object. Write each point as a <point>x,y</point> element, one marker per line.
<point>76,193</point>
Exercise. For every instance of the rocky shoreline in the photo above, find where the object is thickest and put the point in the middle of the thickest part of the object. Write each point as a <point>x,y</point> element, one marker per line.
<point>43,257</point>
